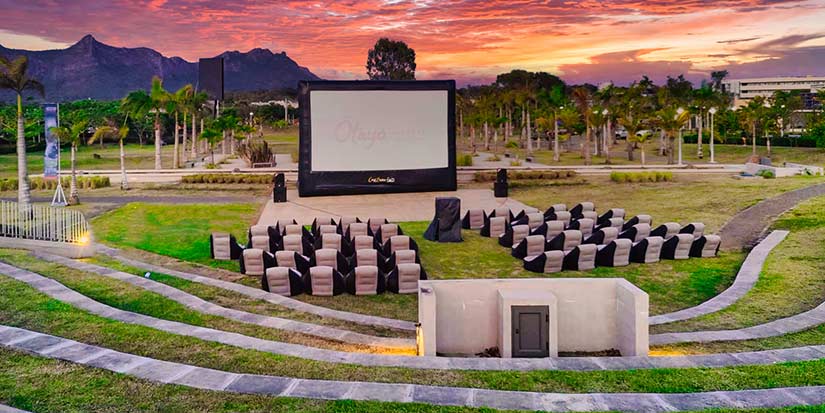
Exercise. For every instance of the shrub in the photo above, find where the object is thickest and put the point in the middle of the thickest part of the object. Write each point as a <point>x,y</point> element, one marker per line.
<point>255,152</point>
<point>634,177</point>
<point>227,179</point>
<point>493,158</point>
<point>512,145</point>
<point>526,175</point>
<point>515,162</point>
<point>464,160</point>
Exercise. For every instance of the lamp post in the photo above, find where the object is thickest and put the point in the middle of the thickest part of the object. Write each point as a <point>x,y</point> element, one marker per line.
<point>679,112</point>
<point>607,137</point>
<point>782,123</point>
<point>596,143</point>
<point>712,112</point>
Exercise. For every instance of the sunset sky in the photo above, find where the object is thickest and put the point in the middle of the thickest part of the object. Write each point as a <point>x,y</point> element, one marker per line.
<point>471,41</point>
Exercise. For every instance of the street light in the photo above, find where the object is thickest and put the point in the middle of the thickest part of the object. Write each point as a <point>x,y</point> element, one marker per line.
<point>679,113</point>
<point>712,112</point>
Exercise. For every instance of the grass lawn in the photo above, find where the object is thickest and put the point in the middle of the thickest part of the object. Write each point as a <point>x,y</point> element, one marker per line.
<point>283,141</point>
<point>21,306</point>
<point>180,231</point>
<point>793,280</point>
<point>137,157</point>
<point>125,296</point>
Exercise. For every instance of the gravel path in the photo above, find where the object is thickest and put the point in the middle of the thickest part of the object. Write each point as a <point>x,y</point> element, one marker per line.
<point>62,293</point>
<point>216,380</point>
<point>745,228</point>
<point>207,307</point>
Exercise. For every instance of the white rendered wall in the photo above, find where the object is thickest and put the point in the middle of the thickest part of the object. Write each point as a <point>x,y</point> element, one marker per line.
<point>593,314</point>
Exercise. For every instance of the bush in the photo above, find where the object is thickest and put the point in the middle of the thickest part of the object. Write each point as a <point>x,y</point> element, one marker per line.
<point>227,179</point>
<point>526,175</point>
<point>512,145</point>
<point>40,184</point>
<point>634,177</point>
<point>765,173</point>
<point>515,162</point>
<point>464,159</point>
<point>493,158</point>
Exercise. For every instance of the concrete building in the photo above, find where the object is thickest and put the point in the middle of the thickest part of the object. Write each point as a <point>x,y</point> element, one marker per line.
<point>743,90</point>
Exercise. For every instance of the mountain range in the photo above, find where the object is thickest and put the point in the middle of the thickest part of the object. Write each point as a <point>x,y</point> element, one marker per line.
<point>91,69</point>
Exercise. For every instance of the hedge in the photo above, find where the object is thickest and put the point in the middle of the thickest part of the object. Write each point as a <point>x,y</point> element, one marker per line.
<point>83,182</point>
<point>227,179</point>
<point>800,142</point>
<point>622,177</point>
<point>489,176</point>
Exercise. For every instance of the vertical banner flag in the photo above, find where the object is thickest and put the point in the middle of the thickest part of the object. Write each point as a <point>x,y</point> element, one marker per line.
<point>52,156</point>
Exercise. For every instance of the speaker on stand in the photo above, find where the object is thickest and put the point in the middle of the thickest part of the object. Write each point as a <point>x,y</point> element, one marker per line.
<point>279,188</point>
<point>500,186</point>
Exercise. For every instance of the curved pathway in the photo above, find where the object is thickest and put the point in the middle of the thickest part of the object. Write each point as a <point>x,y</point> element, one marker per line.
<point>206,307</point>
<point>287,302</point>
<point>60,292</point>
<point>209,379</point>
<point>9,409</point>
<point>745,228</point>
<point>746,278</point>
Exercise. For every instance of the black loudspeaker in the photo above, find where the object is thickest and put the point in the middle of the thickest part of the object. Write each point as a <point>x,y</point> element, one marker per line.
<point>446,225</point>
<point>279,188</point>
<point>500,186</point>
<point>210,77</point>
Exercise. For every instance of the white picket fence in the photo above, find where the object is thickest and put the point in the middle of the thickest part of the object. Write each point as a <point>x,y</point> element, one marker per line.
<point>41,222</point>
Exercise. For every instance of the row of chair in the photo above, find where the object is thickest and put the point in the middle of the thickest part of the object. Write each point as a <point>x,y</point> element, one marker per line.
<point>579,239</point>
<point>328,281</point>
<point>342,246</point>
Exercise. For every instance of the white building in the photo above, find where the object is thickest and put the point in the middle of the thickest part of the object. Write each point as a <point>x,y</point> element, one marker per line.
<point>744,90</point>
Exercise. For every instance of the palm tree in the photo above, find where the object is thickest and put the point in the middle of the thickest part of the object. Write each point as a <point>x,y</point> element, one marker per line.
<point>752,115</point>
<point>671,120</point>
<point>583,100</point>
<point>121,134</point>
<point>641,139</point>
<point>74,135</point>
<point>160,101</point>
<point>195,105</point>
<point>136,104</point>
<point>212,136</point>
<point>13,77</point>
<point>180,103</point>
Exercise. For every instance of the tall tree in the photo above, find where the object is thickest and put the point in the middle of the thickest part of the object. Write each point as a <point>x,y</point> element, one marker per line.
<point>583,99</point>
<point>179,102</point>
<point>391,60</point>
<point>73,134</point>
<point>671,120</point>
<point>120,134</point>
<point>161,101</point>
<point>717,77</point>
<point>14,77</point>
<point>196,106</point>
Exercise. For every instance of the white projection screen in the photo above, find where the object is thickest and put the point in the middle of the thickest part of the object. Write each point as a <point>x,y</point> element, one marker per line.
<point>376,137</point>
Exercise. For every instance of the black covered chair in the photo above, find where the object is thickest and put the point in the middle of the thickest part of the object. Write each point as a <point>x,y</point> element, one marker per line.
<point>474,219</point>
<point>602,236</point>
<point>553,209</point>
<point>399,242</point>
<point>513,235</point>
<point>611,213</point>
<point>562,216</point>
<point>585,225</point>
<point>611,223</point>
<point>298,244</point>
<point>386,231</point>
<point>373,223</point>
<point>318,221</point>
<point>576,211</point>
<point>446,223</point>
<point>364,257</point>
<point>502,212</point>
<point>223,246</point>
<point>263,237</point>
<point>581,258</point>
<point>697,229</point>
<point>283,281</point>
<point>524,212</point>
<point>329,257</point>
<point>528,247</point>
<point>255,261</point>
<point>400,257</point>
<point>331,240</point>
<point>614,254</point>
<point>566,241</point>
<point>705,246</point>
<point>647,251</point>
<point>532,220</point>
<point>343,224</point>
<point>324,281</point>
<point>365,280</point>
<point>666,230</point>
<point>403,279</point>
<point>360,242</point>
<point>324,229</point>
<point>292,259</point>
<point>638,219</point>
<point>677,247</point>
<point>547,262</point>
<point>355,229</point>
<point>549,229</point>
<point>494,227</point>
<point>636,233</point>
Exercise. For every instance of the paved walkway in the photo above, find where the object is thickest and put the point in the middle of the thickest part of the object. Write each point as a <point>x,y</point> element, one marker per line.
<point>746,278</point>
<point>62,293</point>
<point>9,409</point>
<point>209,379</point>
<point>745,228</point>
<point>210,308</point>
<point>416,206</point>
<point>287,302</point>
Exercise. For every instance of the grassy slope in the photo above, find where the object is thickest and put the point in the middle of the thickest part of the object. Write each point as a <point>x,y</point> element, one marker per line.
<point>792,281</point>
<point>23,307</point>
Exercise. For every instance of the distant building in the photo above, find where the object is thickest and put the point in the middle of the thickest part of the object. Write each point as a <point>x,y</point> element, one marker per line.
<point>743,90</point>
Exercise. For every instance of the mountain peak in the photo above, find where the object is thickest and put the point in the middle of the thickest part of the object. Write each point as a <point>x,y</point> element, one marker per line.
<point>87,39</point>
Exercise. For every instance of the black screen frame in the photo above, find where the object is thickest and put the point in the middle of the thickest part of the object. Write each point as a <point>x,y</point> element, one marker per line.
<point>311,183</point>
